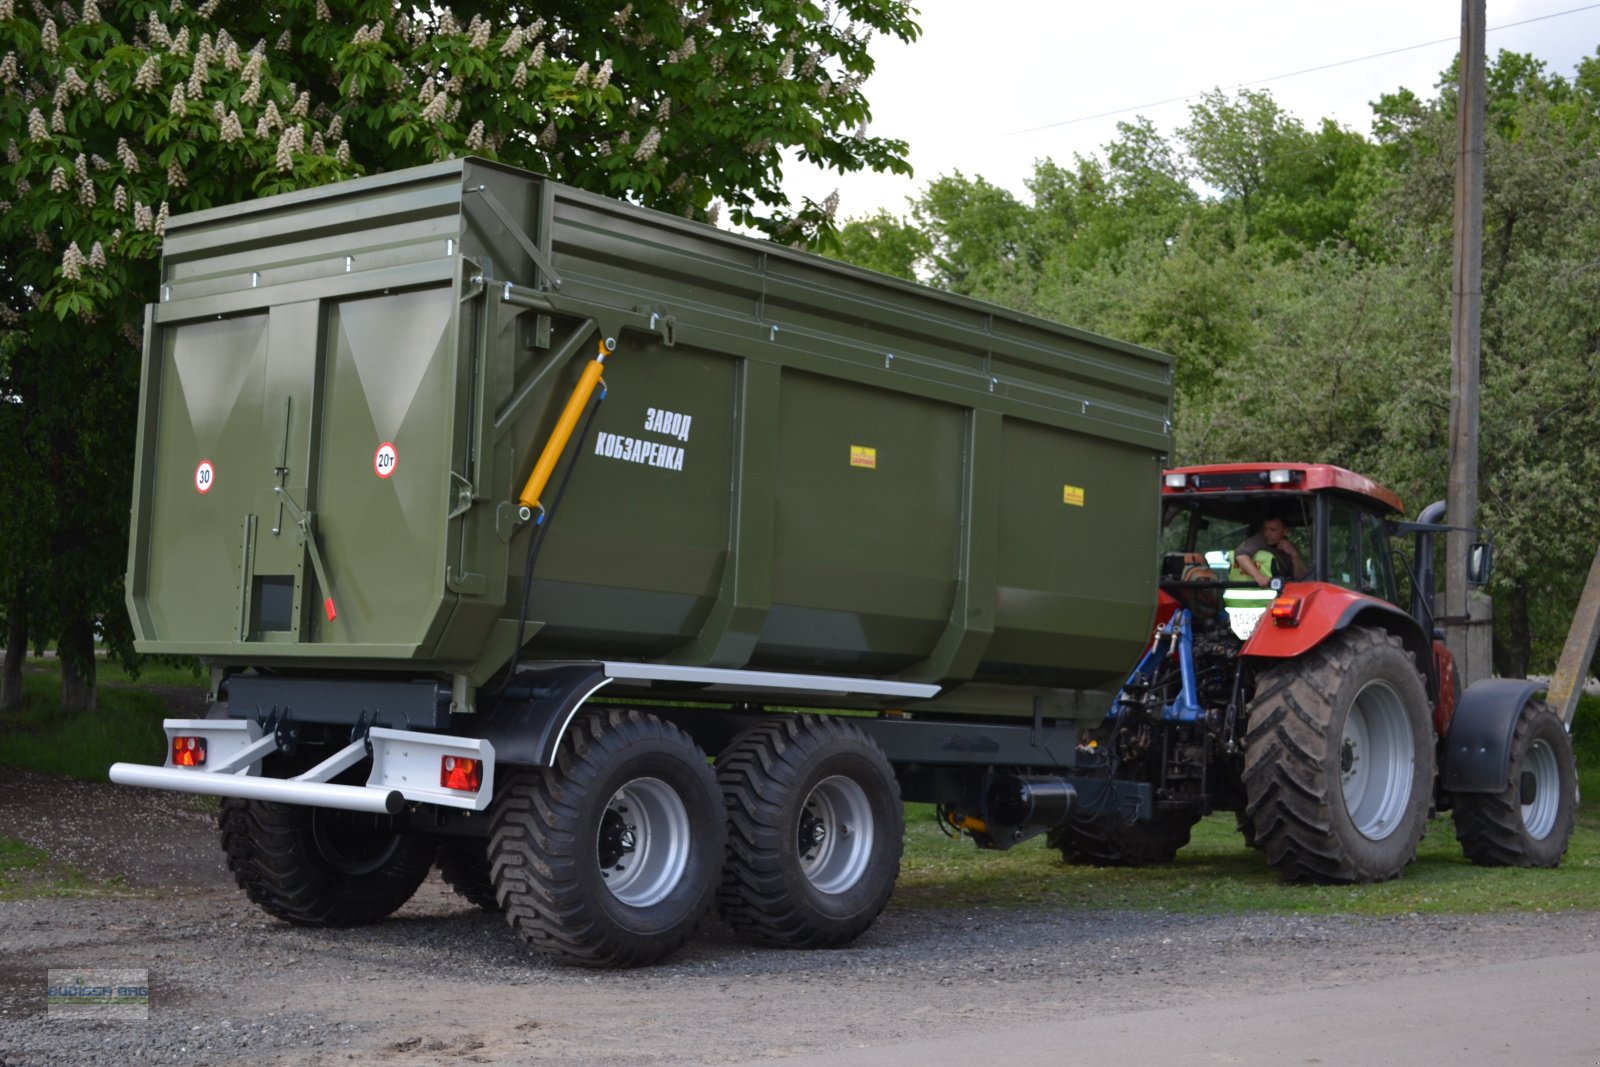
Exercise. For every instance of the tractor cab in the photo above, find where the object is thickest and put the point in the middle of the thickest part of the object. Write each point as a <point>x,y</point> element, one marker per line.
<point>1294,523</point>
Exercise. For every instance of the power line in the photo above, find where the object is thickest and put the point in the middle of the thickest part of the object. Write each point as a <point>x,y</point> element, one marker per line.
<point>1297,73</point>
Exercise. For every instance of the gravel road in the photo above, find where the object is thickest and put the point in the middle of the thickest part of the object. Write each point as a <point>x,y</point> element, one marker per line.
<point>442,983</point>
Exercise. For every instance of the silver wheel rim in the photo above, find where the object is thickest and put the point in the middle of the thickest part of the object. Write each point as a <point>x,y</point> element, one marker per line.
<point>1539,817</point>
<point>835,835</point>
<point>643,842</point>
<point>1377,761</point>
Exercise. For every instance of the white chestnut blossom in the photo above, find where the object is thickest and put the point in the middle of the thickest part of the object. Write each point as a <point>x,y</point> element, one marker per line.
<point>647,147</point>
<point>72,263</point>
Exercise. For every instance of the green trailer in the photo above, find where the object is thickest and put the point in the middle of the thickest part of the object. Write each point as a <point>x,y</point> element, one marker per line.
<point>517,501</point>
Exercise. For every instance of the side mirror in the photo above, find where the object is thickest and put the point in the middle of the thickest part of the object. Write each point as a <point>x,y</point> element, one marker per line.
<point>1480,562</point>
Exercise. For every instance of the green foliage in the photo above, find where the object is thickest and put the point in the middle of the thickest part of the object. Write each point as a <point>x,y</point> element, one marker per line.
<point>884,243</point>
<point>978,232</point>
<point>116,115</point>
<point>1586,733</point>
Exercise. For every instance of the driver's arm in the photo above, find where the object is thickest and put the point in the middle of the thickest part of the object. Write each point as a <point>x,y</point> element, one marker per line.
<point>1248,565</point>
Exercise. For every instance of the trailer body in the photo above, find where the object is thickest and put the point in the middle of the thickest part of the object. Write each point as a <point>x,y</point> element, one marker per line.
<point>798,465</point>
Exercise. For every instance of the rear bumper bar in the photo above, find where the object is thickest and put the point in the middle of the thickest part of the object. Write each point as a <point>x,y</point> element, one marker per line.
<point>249,787</point>
<point>407,767</point>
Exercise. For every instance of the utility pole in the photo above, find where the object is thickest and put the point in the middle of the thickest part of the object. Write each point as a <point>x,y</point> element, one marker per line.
<point>1471,656</point>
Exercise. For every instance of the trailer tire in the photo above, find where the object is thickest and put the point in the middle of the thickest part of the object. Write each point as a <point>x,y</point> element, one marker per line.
<point>1339,761</point>
<point>1529,823</point>
<point>319,867</point>
<point>1111,841</point>
<point>815,832</point>
<point>581,882</point>
<point>464,866</point>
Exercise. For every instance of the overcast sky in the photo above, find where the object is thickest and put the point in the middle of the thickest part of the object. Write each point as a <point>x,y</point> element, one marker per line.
<point>972,91</point>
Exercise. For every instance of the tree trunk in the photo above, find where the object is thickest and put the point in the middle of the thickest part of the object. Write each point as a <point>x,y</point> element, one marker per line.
<point>16,653</point>
<point>76,652</point>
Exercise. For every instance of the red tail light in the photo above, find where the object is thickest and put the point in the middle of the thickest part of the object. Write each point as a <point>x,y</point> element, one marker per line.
<point>1285,611</point>
<point>461,773</point>
<point>188,752</point>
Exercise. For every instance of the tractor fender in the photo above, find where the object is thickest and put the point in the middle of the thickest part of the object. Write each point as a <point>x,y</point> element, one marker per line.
<point>1477,750</point>
<point>1327,609</point>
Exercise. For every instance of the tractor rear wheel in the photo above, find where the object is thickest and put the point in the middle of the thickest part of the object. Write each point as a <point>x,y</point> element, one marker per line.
<point>1110,841</point>
<point>1528,823</point>
<point>611,857</point>
<point>320,867</point>
<point>1339,761</point>
<point>815,831</point>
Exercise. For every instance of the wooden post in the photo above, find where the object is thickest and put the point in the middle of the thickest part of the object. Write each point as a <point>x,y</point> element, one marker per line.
<point>1567,684</point>
<point>1464,337</point>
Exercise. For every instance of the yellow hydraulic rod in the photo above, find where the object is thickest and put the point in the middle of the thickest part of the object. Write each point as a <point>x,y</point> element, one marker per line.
<point>559,437</point>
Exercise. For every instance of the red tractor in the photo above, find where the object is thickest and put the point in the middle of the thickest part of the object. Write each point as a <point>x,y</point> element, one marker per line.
<point>1296,676</point>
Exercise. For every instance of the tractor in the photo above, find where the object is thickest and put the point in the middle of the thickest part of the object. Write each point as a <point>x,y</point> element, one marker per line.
<point>1304,686</point>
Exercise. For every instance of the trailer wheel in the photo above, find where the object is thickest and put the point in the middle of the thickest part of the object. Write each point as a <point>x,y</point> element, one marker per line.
<point>464,866</point>
<point>1110,841</point>
<point>320,867</point>
<point>611,857</point>
<point>815,831</point>
<point>1529,823</point>
<point>1339,761</point>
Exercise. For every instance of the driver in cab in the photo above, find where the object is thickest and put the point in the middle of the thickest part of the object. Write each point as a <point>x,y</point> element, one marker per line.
<point>1268,553</point>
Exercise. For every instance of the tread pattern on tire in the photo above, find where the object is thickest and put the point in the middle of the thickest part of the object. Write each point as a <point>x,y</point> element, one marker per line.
<point>1295,804</point>
<point>538,862</point>
<point>464,866</point>
<point>762,895</point>
<point>1489,826</point>
<point>1110,841</point>
<point>274,858</point>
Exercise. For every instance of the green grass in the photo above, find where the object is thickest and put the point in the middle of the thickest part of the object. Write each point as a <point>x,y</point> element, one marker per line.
<point>41,737</point>
<point>1217,873</point>
<point>26,872</point>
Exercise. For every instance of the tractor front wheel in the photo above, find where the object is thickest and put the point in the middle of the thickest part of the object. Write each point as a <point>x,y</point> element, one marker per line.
<point>1339,761</point>
<point>1528,823</point>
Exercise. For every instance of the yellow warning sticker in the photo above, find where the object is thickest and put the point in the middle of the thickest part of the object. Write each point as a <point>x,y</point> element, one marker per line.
<point>862,456</point>
<point>1072,494</point>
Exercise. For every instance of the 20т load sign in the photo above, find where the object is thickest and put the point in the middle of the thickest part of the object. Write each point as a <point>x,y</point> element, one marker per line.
<point>385,459</point>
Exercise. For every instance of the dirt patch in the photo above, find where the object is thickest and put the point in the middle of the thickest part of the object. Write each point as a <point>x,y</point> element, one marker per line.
<point>140,837</point>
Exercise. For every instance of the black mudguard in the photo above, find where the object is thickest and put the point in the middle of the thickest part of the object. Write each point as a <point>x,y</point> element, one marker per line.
<point>527,721</point>
<point>1477,751</point>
